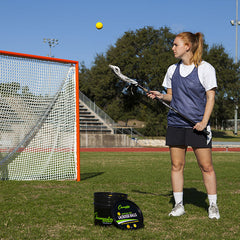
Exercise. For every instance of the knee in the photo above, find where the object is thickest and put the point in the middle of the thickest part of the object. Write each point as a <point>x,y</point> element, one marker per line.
<point>177,167</point>
<point>208,169</point>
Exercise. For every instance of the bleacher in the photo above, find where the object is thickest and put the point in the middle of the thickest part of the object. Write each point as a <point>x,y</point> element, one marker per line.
<point>99,130</point>
<point>91,123</point>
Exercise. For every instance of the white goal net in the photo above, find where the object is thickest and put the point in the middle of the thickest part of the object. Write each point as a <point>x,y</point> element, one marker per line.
<point>38,118</point>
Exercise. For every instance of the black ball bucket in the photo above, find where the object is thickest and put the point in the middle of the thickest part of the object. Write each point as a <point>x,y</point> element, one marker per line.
<point>103,204</point>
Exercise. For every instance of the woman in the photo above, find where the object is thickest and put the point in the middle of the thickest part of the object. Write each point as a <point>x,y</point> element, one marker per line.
<point>191,85</point>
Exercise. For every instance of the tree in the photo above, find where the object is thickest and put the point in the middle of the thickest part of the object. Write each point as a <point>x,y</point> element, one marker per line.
<point>9,89</point>
<point>228,84</point>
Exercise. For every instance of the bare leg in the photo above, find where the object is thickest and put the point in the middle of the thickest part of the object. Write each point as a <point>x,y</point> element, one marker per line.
<point>204,158</point>
<point>178,163</point>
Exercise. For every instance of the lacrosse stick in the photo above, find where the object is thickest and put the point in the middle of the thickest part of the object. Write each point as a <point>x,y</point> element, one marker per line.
<point>117,71</point>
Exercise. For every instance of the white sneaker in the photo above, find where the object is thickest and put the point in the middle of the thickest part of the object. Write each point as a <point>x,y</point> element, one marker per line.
<point>177,211</point>
<point>213,211</point>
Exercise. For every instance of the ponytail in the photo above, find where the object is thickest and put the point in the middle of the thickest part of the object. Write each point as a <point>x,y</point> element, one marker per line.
<point>195,42</point>
<point>197,49</point>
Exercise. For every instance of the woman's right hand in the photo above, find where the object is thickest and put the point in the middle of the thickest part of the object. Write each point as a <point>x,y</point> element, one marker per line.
<point>154,94</point>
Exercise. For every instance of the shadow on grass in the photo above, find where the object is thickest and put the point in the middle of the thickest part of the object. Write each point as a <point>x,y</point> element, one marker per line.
<point>85,176</point>
<point>190,196</point>
<point>219,134</point>
<point>194,197</point>
<point>222,134</point>
<point>154,194</point>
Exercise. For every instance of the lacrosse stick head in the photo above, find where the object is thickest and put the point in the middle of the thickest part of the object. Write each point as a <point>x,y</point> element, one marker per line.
<point>117,71</point>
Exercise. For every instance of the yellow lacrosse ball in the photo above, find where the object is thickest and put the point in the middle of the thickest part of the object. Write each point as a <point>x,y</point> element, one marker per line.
<point>99,25</point>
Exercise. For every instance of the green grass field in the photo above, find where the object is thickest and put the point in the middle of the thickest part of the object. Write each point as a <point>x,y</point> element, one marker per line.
<point>64,209</point>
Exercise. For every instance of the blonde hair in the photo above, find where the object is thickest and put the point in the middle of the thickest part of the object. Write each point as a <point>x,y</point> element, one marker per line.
<point>195,42</point>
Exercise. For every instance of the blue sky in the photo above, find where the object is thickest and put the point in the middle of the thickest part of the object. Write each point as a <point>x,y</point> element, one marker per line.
<point>24,23</point>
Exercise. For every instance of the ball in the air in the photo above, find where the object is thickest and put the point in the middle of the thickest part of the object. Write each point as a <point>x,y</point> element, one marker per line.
<point>99,25</point>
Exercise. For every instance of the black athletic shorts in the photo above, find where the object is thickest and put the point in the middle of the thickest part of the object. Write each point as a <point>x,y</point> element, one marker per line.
<point>177,136</point>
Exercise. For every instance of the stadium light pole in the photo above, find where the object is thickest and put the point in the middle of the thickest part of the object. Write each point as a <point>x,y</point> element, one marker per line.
<point>52,42</point>
<point>236,23</point>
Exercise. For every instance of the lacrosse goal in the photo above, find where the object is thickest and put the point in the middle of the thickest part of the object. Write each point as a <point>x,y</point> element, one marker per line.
<point>39,118</point>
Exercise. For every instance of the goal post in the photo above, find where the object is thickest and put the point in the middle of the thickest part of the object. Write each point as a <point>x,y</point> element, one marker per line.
<point>39,118</point>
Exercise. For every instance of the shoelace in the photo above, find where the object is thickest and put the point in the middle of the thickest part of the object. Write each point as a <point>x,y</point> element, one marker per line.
<point>179,205</point>
<point>213,209</point>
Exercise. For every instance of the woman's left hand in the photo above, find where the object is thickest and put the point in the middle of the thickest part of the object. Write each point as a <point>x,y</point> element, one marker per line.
<point>200,126</point>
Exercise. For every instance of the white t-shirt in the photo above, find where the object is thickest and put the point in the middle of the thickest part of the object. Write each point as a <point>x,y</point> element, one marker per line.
<point>206,74</point>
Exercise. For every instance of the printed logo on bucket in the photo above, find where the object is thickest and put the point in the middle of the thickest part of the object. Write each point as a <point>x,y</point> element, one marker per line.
<point>123,207</point>
<point>108,220</point>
